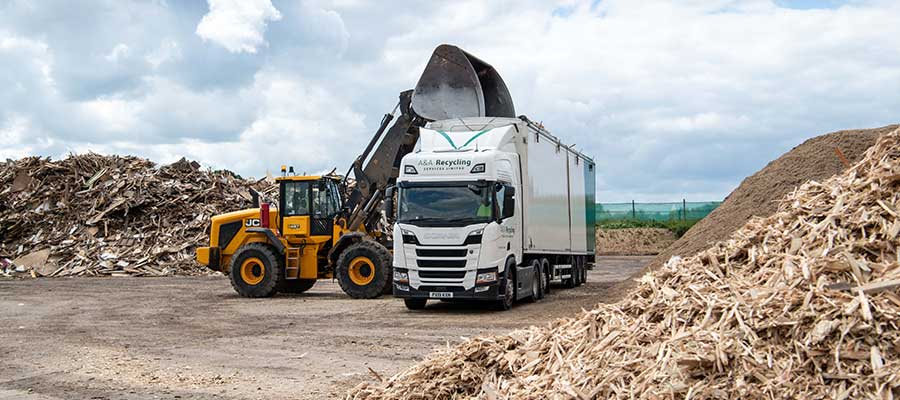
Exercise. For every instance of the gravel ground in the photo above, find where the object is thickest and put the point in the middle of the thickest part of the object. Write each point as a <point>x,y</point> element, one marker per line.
<point>194,338</point>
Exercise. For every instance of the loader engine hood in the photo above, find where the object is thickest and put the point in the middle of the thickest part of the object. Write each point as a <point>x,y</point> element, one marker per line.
<point>456,84</point>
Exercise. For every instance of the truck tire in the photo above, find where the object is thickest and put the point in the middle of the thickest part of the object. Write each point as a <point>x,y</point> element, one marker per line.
<point>545,265</point>
<point>363,269</point>
<point>581,271</point>
<point>256,271</point>
<point>571,281</point>
<point>510,283</point>
<point>297,285</point>
<point>542,278</point>
<point>415,304</point>
<point>584,270</point>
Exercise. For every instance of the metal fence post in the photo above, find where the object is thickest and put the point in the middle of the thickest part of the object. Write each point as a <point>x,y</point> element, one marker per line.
<point>633,213</point>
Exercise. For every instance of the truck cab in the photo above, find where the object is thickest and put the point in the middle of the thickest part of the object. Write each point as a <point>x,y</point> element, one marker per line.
<point>458,231</point>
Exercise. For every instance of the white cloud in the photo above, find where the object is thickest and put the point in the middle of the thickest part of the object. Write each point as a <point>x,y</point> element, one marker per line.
<point>120,51</point>
<point>237,25</point>
<point>167,51</point>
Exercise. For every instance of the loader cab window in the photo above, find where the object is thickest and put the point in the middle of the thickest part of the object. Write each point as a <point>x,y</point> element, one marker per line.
<point>326,199</point>
<point>295,196</point>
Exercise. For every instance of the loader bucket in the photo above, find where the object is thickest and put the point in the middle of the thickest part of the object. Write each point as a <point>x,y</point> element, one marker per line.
<point>456,84</point>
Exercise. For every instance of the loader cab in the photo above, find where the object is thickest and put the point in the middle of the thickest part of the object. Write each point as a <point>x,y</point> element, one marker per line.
<point>307,205</point>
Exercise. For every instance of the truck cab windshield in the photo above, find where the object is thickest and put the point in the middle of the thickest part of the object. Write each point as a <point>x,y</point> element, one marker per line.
<point>458,204</point>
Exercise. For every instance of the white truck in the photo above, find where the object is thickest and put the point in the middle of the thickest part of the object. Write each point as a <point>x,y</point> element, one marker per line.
<point>490,208</point>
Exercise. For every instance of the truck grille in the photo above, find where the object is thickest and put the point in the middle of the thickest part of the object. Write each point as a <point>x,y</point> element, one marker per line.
<point>442,274</point>
<point>441,263</point>
<point>441,252</point>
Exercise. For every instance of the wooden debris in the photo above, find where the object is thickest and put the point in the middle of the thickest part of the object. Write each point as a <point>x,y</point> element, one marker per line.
<point>92,215</point>
<point>802,304</point>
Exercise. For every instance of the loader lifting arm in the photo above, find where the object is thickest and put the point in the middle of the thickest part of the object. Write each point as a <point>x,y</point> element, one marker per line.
<point>383,166</point>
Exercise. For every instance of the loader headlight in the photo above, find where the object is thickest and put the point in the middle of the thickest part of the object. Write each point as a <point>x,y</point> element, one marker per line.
<point>409,169</point>
<point>401,277</point>
<point>487,277</point>
<point>477,169</point>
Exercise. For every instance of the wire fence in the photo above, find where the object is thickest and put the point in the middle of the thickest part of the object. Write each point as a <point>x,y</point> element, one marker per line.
<point>678,211</point>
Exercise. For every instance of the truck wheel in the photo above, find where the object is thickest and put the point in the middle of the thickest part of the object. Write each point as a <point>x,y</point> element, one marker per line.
<point>297,286</point>
<point>362,269</point>
<point>571,281</point>
<point>510,283</point>
<point>545,265</point>
<point>415,304</point>
<point>581,271</point>
<point>541,277</point>
<point>584,270</point>
<point>256,271</point>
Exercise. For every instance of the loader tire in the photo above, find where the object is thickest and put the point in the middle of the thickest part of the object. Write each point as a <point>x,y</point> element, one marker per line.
<point>256,271</point>
<point>364,269</point>
<point>297,286</point>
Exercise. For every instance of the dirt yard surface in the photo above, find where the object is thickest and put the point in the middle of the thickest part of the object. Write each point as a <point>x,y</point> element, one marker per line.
<point>194,338</point>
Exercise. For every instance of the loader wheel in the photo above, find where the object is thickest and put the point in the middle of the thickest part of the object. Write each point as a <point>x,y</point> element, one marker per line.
<point>255,271</point>
<point>363,269</point>
<point>297,286</point>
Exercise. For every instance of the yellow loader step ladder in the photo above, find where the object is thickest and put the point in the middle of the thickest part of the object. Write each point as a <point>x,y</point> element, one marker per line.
<point>292,262</point>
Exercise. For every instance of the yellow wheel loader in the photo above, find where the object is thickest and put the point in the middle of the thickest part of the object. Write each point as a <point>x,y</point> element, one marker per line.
<point>323,227</point>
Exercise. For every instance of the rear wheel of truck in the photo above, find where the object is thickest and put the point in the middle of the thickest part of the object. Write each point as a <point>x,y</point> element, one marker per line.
<point>541,278</point>
<point>571,281</point>
<point>256,271</point>
<point>535,283</point>
<point>582,271</point>
<point>545,265</point>
<point>415,304</point>
<point>297,285</point>
<point>509,283</point>
<point>363,269</point>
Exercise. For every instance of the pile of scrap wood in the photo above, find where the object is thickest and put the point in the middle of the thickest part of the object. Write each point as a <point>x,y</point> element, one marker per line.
<point>109,215</point>
<point>802,304</point>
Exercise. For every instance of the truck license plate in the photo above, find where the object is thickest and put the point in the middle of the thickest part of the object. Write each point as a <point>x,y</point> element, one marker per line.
<point>440,295</point>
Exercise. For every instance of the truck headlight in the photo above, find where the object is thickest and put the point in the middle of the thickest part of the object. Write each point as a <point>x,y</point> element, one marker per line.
<point>474,237</point>
<point>401,277</point>
<point>486,277</point>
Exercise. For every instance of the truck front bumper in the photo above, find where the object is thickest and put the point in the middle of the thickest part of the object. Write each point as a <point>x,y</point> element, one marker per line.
<point>485,292</point>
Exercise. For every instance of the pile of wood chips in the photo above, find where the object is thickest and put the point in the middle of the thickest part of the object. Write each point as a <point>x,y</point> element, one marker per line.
<point>109,215</point>
<point>803,304</point>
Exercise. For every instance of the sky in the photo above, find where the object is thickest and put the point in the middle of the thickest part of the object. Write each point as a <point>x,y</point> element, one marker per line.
<point>673,100</point>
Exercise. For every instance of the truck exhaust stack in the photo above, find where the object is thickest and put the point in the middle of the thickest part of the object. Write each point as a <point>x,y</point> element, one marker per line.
<point>456,84</point>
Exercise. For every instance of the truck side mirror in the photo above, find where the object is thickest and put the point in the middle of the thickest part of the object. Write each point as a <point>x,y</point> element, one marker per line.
<point>509,202</point>
<point>388,204</point>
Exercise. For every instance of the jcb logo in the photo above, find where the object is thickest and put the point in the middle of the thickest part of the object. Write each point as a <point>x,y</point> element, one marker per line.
<point>252,222</point>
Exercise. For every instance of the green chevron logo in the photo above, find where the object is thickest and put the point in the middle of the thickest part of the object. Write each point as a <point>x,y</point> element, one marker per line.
<point>449,140</point>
